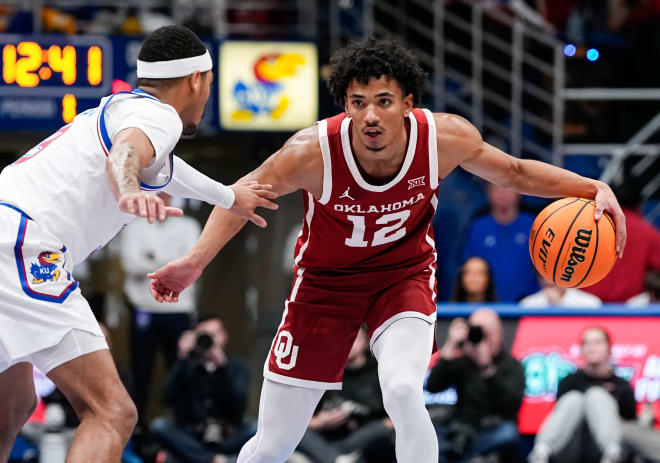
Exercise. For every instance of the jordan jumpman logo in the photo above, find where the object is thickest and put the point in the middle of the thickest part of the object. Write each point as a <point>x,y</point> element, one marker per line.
<point>346,195</point>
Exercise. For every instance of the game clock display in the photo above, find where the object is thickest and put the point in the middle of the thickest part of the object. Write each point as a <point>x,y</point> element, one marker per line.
<point>62,67</point>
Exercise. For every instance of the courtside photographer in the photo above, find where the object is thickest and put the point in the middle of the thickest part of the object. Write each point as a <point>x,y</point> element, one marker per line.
<point>206,390</point>
<point>489,384</point>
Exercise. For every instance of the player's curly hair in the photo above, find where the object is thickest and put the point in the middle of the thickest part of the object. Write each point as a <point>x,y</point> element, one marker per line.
<point>168,43</point>
<point>372,57</point>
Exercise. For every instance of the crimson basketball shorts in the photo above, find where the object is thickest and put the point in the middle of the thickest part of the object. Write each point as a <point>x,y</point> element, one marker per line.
<point>323,316</point>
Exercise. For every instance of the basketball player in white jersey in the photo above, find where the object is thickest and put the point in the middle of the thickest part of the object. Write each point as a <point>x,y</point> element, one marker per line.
<point>366,253</point>
<point>68,197</point>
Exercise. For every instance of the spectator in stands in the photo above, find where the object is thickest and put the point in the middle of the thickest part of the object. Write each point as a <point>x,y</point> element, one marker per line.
<point>207,390</point>
<point>651,294</point>
<point>144,247</point>
<point>352,421</point>
<point>501,239</point>
<point>641,255</point>
<point>489,385</point>
<point>474,282</point>
<point>551,294</point>
<point>591,404</point>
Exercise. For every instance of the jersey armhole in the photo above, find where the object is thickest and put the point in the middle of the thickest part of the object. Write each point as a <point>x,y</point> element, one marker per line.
<point>327,162</point>
<point>433,150</point>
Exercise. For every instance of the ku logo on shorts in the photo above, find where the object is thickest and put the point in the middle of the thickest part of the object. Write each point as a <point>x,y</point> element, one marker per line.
<point>46,269</point>
<point>44,273</point>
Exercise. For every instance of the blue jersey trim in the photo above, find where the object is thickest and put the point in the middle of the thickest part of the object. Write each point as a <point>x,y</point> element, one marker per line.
<point>20,265</point>
<point>108,143</point>
<point>10,206</point>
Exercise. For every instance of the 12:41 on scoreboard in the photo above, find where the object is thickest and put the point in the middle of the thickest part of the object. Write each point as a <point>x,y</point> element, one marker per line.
<point>62,67</point>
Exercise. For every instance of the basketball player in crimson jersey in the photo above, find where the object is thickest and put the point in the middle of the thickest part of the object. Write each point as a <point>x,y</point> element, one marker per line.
<point>366,253</point>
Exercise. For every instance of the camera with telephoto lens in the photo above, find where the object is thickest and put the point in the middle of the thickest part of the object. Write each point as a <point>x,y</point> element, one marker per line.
<point>475,335</point>
<point>203,343</point>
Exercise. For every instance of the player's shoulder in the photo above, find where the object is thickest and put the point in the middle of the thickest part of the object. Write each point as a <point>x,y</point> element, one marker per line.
<point>146,106</point>
<point>304,144</point>
<point>157,119</point>
<point>456,132</point>
<point>454,124</point>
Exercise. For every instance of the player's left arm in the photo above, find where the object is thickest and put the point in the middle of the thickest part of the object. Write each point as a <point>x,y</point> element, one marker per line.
<point>132,151</point>
<point>460,143</point>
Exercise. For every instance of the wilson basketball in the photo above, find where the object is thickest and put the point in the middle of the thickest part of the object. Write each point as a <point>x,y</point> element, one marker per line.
<point>569,247</point>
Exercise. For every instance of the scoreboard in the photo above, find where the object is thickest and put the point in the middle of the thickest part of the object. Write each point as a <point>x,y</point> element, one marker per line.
<point>55,66</point>
<point>47,78</point>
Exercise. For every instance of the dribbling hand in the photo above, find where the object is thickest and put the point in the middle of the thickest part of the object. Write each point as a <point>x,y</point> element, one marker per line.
<point>147,205</point>
<point>606,202</point>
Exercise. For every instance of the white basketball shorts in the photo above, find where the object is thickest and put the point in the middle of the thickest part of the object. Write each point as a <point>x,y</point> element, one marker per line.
<point>40,302</point>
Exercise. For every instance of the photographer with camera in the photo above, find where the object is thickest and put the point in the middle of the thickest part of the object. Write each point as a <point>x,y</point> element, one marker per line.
<point>489,385</point>
<point>207,391</point>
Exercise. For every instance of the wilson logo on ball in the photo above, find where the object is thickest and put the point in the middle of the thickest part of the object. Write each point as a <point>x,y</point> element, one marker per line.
<point>582,240</point>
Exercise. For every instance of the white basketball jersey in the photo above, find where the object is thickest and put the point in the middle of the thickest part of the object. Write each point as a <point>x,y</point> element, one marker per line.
<point>62,182</point>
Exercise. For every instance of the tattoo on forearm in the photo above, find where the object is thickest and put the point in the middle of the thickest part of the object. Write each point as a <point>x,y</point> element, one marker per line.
<point>125,167</point>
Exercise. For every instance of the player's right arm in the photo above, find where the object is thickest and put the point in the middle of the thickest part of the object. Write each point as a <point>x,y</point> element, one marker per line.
<point>132,151</point>
<point>298,165</point>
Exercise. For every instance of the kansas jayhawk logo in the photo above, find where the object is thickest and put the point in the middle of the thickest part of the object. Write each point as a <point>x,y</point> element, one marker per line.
<point>46,269</point>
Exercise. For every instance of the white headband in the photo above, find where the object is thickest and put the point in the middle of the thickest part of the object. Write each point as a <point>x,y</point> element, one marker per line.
<point>174,68</point>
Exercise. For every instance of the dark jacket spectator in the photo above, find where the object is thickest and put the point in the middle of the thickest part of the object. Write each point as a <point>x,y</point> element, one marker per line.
<point>489,385</point>
<point>197,395</point>
<point>207,391</point>
<point>481,396</point>
<point>618,388</point>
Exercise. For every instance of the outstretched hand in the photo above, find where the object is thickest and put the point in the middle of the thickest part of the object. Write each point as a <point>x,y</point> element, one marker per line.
<point>606,202</point>
<point>167,282</point>
<point>250,195</point>
<point>147,205</point>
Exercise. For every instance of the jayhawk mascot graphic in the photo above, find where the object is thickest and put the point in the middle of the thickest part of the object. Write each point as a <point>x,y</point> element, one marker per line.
<point>46,269</point>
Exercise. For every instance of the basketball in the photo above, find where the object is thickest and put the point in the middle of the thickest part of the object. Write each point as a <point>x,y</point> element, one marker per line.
<point>569,247</point>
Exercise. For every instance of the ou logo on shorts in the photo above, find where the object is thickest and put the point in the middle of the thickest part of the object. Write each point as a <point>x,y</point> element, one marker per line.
<point>283,348</point>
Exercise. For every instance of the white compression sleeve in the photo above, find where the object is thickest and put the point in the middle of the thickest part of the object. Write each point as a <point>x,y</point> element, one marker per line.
<point>284,413</point>
<point>403,351</point>
<point>189,183</point>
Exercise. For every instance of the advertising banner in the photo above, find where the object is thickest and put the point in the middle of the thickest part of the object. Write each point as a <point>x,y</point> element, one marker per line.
<point>549,349</point>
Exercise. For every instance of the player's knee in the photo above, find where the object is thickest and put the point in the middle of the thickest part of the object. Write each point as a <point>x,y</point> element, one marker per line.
<point>126,418</point>
<point>400,395</point>
<point>120,416</point>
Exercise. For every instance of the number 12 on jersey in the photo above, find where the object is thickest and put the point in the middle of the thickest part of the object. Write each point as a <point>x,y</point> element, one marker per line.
<point>383,235</point>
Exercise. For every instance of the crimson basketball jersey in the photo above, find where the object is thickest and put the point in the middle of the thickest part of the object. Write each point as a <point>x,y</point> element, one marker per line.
<point>359,227</point>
